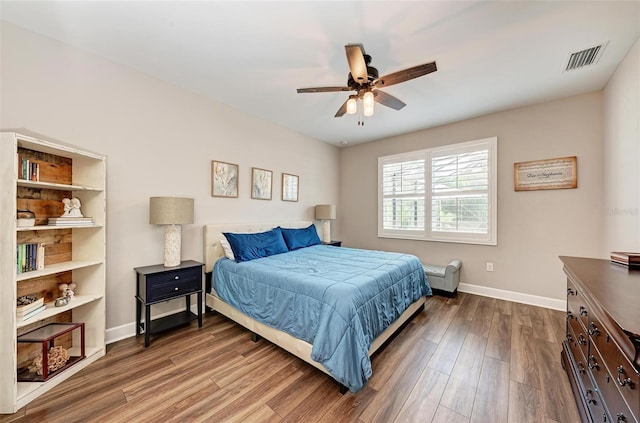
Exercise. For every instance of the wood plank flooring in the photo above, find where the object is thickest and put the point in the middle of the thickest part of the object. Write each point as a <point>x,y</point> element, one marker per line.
<point>467,359</point>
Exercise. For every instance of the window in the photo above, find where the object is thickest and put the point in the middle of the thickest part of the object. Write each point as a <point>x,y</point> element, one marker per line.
<point>440,194</point>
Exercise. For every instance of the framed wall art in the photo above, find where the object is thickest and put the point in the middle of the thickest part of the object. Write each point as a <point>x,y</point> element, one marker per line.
<point>224,179</point>
<point>290,187</point>
<point>261,183</point>
<point>560,173</point>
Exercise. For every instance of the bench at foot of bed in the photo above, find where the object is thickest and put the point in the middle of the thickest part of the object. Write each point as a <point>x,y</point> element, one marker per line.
<point>444,279</point>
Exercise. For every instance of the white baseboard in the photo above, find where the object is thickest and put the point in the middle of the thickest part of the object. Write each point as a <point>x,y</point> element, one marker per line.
<point>128,330</point>
<point>120,332</point>
<point>516,297</point>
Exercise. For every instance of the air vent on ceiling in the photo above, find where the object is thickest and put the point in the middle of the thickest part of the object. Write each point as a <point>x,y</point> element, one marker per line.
<point>586,57</point>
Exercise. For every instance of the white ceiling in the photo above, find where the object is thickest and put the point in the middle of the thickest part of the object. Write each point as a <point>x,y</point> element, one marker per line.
<point>252,56</point>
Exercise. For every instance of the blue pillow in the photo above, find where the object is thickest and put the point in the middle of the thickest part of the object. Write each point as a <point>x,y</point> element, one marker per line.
<point>247,247</point>
<point>298,238</point>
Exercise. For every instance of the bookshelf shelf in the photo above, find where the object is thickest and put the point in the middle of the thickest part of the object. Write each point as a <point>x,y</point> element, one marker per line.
<point>51,227</point>
<point>73,254</point>
<point>54,186</point>
<point>57,268</point>
<point>52,310</point>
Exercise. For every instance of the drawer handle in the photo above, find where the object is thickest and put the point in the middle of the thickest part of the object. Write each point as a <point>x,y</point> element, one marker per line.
<point>582,340</point>
<point>569,315</point>
<point>589,395</point>
<point>571,291</point>
<point>593,329</point>
<point>569,337</point>
<point>623,382</point>
<point>580,367</point>
<point>583,311</point>
<point>593,364</point>
<point>620,418</point>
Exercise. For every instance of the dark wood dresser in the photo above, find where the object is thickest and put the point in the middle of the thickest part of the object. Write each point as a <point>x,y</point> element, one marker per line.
<point>601,353</point>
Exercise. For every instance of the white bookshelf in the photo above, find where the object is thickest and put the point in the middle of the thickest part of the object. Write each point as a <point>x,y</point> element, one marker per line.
<point>83,252</point>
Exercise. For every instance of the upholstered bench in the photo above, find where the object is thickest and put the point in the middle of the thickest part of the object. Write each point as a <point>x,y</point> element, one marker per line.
<point>444,279</point>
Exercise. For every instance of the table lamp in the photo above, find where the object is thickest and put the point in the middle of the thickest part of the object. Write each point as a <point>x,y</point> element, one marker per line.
<point>326,213</point>
<point>173,212</point>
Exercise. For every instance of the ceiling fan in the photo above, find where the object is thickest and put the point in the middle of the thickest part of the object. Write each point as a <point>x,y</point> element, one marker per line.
<point>364,80</point>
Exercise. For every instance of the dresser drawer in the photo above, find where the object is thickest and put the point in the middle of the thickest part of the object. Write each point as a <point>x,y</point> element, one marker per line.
<point>596,406</point>
<point>171,284</point>
<point>579,359</point>
<point>607,385</point>
<point>576,303</point>
<point>621,371</point>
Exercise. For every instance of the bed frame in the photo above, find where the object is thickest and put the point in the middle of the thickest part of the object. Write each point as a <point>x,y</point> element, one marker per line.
<point>299,348</point>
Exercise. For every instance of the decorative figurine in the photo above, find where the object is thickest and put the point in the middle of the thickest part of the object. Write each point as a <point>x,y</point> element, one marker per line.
<point>67,290</point>
<point>71,207</point>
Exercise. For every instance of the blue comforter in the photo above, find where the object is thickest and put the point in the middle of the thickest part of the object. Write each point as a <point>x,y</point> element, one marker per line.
<point>337,299</point>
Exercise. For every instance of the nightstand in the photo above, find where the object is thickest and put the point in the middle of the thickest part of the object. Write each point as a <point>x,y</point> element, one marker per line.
<point>156,284</point>
<point>334,243</point>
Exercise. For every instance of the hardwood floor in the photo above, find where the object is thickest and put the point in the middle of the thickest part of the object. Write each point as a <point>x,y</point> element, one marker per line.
<point>466,359</point>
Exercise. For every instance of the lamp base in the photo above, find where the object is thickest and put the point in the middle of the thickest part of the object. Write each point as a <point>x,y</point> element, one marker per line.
<point>172,240</point>
<point>326,231</point>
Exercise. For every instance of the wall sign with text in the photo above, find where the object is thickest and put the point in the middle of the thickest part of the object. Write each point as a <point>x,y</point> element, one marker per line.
<point>560,173</point>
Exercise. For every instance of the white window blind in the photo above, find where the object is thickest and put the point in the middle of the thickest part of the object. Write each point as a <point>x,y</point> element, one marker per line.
<point>441,194</point>
<point>404,188</point>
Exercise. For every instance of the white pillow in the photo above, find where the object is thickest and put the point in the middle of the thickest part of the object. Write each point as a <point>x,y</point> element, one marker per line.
<point>228,252</point>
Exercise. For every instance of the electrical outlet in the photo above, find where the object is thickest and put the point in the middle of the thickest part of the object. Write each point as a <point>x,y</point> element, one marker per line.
<point>489,267</point>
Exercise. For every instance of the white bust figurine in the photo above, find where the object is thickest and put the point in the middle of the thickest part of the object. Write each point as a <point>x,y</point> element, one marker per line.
<point>71,207</point>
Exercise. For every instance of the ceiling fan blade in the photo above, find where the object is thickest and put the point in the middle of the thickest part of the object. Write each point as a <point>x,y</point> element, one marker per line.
<point>357,65</point>
<point>322,89</point>
<point>405,75</point>
<point>342,110</point>
<point>388,100</point>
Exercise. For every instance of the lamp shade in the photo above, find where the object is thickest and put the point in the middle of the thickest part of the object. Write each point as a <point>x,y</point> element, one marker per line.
<point>170,210</point>
<point>326,211</point>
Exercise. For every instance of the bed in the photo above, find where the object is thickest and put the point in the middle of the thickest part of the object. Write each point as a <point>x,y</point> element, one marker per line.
<point>304,311</point>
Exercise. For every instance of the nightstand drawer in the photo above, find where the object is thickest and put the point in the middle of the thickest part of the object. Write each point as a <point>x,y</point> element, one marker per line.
<point>172,284</point>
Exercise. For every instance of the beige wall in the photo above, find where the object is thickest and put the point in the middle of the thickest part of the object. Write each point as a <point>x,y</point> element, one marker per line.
<point>533,227</point>
<point>621,155</point>
<point>159,140</point>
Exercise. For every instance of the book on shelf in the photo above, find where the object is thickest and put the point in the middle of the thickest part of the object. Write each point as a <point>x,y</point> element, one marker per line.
<point>70,221</point>
<point>23,309</point>
<point>626,258</point>
<point>32,313</point>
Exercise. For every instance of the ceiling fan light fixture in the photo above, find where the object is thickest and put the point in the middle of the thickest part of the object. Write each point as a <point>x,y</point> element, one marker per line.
<point>367,103</point>
<point>364,79</point>
<point>352,105</point>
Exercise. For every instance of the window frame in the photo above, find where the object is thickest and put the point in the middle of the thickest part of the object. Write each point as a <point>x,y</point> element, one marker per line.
<point>427,234</point>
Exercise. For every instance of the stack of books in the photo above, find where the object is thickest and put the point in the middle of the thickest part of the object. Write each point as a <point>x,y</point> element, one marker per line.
<point>626,258</point>
<point>27,311</point>
<point>70,221</point>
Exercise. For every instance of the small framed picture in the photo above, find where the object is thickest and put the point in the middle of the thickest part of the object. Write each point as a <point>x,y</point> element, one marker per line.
<point>290,187</point>
<point>261,182</point>
<point>224,179</point>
